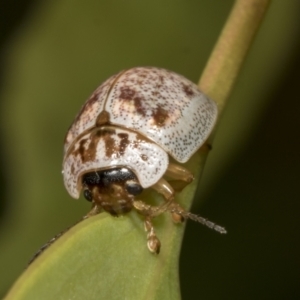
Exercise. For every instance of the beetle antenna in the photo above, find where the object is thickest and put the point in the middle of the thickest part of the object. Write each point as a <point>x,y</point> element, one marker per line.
<point>199,219</point>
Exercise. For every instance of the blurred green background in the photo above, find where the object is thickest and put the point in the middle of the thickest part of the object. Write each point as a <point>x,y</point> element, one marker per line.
<point>53,54</point>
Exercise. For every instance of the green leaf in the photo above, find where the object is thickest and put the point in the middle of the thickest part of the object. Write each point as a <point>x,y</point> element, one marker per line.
<point>107,257</point>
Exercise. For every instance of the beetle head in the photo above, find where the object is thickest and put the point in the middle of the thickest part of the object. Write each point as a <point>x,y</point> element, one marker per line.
<point>113,189</point>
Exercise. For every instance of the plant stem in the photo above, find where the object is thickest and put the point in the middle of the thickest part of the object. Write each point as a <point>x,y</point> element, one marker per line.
<point>226,60</point>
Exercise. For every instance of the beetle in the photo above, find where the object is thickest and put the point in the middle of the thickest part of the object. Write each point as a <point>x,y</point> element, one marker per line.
<point>121,142</point>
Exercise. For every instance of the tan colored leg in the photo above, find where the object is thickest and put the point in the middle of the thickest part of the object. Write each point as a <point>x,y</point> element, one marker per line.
<point>165,189</point>
<point>180,173</point>
<point>96,209</point>
<point>149,212</point>
<point>180,177</point>
<point>205,148</point>
<point>153,242</point>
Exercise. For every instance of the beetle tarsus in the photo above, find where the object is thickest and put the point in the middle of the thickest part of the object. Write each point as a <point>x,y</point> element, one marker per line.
<point>153,242</point>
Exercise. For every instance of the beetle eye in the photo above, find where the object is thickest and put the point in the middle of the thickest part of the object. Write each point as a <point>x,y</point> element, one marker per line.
<point>133,188</point>
<point>88,195</point>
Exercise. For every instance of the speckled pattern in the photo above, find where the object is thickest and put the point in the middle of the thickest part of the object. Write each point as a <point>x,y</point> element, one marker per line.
<point>160,105</point>
<point>88,114</point>
<point>109,146</point>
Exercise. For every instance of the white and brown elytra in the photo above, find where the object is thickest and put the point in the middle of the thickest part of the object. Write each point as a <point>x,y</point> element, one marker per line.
<point>121,140</point>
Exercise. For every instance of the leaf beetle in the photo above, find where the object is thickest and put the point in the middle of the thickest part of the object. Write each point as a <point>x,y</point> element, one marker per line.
<point>121,142</point>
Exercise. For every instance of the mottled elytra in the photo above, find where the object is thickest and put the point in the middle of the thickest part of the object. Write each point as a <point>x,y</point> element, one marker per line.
<point>123,136</point>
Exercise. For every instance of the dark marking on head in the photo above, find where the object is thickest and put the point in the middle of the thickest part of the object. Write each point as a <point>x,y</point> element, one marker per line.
<point>82,151</point>
<point>88,153</point>
<point>110,143</point>
<point>123,143</point>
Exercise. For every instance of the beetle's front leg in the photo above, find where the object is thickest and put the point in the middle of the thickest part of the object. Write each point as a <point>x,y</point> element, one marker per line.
<point>149,212</point>
<point>153,242</point>
<point>96,209</point>
<point>165,189</point>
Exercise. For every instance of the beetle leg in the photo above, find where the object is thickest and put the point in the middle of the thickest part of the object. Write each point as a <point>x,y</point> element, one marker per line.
<point>180,173</point>
<point>206,147</point>
<point>180,176</point>
<point>153,242</point>
<point>96,209</point>
<point>149,212</point>
<point>165,189</point>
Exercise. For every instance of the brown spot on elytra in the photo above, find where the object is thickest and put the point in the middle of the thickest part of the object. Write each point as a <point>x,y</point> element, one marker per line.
<point>123,143</point>
<point>160,116</point>
<point>138,105</point>
<point>187,90</point>
<point>103,118</point>
<point>129,94</point>
<point>126,93</point>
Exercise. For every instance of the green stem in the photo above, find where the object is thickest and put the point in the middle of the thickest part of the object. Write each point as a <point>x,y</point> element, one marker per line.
<point>226,60</point>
